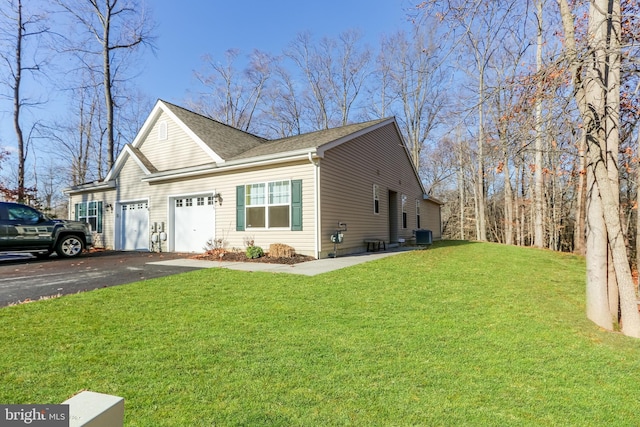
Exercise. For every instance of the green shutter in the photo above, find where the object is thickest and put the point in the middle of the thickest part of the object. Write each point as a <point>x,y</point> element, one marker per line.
<point>99,218</point>
<point>296,205</point>
<point>240,208</point>
<point>77,213</point>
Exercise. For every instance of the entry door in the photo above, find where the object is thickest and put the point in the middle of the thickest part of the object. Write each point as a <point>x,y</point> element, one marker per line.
<point>134,226</point>
<point>194,223</point>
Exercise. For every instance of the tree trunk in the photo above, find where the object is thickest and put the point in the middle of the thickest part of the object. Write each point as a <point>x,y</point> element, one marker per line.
<point>108,95</point>
<point>579,231</point>
<point>596,257</point>
<point>17,105</point>
<point>599,111</point>
<point>538,191</point>
<point>481,209</point>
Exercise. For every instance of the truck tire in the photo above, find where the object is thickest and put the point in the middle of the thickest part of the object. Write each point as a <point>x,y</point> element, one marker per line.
<point>69,246</point>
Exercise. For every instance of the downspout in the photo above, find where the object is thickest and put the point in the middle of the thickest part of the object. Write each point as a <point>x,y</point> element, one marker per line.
<point>316,192</point>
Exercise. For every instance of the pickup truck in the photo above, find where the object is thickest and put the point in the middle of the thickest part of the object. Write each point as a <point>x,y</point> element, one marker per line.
<point>25,229</point>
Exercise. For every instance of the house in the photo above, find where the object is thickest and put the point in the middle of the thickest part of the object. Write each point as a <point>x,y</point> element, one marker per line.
<point>188,183</point>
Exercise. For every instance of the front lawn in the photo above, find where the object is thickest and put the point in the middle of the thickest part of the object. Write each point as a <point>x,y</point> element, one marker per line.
<point>459,334</point>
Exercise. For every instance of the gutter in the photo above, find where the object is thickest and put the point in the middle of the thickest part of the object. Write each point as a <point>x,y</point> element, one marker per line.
<point>230,166</point>
<point>98,185</point>
<point>316,195</point>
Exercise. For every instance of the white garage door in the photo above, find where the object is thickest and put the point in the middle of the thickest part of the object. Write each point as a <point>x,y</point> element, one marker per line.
<point>194,223</point>
<point>134,226</point>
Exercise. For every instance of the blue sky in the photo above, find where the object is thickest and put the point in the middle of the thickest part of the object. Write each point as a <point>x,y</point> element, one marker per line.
<point>186,30</point>
<point>189,29</point>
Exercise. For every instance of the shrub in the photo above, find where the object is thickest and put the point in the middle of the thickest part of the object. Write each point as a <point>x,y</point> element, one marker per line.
<point>254,252</point>
<point>280,250</point>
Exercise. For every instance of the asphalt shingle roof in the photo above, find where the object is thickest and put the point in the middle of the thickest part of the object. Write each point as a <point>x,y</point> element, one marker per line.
<point>233,144</point>
<point>307,140</point>
<point>224,140</point>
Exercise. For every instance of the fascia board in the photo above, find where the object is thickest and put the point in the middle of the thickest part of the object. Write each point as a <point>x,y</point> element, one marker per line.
<point>120,161</point>
<point>231,165</point>
<point>87,188</point>
<point>329,145</point>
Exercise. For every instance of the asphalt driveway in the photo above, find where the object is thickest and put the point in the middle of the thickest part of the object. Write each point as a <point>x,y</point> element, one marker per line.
<point>27,278</point>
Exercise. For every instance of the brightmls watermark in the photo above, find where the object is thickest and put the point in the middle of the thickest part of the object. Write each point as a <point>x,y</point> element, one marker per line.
<point>34,415</point>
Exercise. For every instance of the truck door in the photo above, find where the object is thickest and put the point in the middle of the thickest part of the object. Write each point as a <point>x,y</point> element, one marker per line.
<point>22,229</point>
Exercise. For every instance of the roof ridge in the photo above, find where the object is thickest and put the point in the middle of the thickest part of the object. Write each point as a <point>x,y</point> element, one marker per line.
<point>212,119</point>
<point>368,123</point>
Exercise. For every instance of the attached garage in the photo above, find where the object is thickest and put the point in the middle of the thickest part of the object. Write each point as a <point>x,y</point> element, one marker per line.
<point>193,223</point>
<point>134,226</point>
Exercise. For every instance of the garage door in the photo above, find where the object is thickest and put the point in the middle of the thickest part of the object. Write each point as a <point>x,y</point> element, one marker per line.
<point>134,226</point>
<point>194,223</point>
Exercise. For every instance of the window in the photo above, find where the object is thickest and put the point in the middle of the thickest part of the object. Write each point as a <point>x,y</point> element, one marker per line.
<point>268,204</point>
<point>256,204</point>
<point>200,201</point>
<point>23,214</point>
<point>91,213</point>
<point>188,202</point>
<point>376,199</point>
<point>417,213</point>
<point>178,203</point>
<point>404,211</point>
<point>276,204</point>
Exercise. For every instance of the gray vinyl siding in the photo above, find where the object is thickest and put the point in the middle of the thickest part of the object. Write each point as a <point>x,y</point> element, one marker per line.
<point>431,219</point>
<point>347,175</point>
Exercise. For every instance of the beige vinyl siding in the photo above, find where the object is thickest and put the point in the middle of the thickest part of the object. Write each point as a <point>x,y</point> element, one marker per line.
<point>107,197</point>
<point>347,175</point>
<point>162,196</point>
<point>177,151</point>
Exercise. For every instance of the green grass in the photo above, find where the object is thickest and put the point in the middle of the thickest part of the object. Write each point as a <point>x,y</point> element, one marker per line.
<point>459,334</point>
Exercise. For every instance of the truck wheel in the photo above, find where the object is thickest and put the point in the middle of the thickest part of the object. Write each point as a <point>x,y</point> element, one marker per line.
<point>69,246</point>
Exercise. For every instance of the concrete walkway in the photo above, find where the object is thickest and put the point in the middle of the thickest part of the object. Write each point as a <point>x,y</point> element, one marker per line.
<point>309,268</point>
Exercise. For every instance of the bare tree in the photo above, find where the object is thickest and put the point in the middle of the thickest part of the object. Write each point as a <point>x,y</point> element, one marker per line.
<point>17,29</point>
<point>596,76</point>
<point>115,29</point>
<point>335,72</point>
<point>412,67</point>
<point>233,96</point>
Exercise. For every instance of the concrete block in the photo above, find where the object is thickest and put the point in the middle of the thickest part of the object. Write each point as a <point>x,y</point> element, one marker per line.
<point>91,409</point>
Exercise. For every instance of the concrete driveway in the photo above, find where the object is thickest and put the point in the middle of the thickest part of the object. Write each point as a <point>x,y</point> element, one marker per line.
<point>23,277</point>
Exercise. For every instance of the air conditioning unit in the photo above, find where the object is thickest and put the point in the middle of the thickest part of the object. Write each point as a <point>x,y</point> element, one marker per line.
<point>424,237</point>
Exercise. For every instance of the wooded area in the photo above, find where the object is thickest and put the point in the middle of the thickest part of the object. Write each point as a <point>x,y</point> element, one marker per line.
<point>520,115</point>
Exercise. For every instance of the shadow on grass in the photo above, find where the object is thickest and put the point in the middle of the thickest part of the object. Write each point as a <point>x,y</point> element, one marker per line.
<point>437,244</point>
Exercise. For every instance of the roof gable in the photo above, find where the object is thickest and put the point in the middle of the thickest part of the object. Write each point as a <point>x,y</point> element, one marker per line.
<point>223,140</point>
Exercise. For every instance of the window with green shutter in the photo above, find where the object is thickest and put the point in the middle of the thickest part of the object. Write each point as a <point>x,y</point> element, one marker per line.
<point>269,205</point>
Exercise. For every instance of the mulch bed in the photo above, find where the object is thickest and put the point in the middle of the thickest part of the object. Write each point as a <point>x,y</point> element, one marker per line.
<point>233,256</point>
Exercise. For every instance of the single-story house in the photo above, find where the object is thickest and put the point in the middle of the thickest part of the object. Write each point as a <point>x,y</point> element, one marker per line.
<point>188,183</point>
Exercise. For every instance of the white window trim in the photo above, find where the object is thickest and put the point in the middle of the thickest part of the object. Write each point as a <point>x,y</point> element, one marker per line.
<point>266,205</point>
<point>404,218</point>
<point>99,216</point>
<point>376,198</point>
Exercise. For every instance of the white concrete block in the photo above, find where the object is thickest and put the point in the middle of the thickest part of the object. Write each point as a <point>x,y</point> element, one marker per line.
<point>91,409</point>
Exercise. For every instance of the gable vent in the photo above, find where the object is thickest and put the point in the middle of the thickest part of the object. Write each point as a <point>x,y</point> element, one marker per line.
<point>162,131</point>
